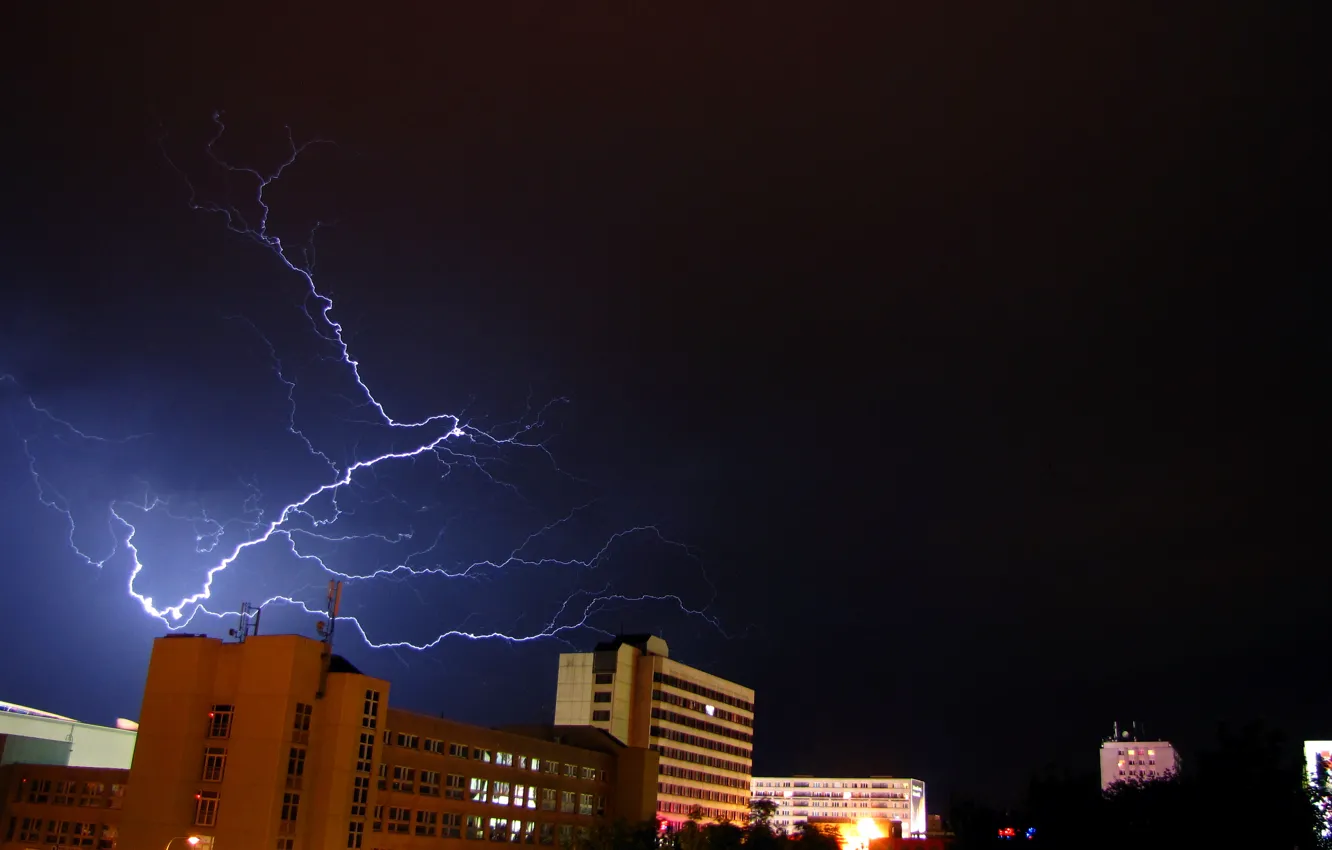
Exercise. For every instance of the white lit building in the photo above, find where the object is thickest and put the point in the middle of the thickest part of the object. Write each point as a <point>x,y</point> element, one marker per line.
<point>31,736</point>
<point>1125,759</point>
<point>880,798</point>
<point>700,725</point>
<point>1318,761</point>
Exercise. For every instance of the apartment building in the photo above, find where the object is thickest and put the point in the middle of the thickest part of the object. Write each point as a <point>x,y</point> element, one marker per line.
<point>1129,759</point>
<point>275,744</point>
<point>701,726</point>
<point>878,798</point>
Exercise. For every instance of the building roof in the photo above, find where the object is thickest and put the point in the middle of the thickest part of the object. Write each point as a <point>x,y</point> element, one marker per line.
<point>586,737</point>
<point>645,643</point>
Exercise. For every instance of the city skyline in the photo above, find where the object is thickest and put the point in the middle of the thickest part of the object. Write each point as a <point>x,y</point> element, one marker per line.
<point>941,379</point>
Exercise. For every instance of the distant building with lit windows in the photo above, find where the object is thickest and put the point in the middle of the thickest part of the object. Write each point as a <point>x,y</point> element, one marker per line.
<point>883,799</point>
<point>701,726</point>
<point>1126,758</point>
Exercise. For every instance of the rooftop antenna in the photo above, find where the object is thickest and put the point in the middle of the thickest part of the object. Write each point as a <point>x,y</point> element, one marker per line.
<point>325,630</point>
<point>249,623</point>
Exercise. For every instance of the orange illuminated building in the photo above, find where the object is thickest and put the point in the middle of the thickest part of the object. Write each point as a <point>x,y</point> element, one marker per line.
<point>272,743</point>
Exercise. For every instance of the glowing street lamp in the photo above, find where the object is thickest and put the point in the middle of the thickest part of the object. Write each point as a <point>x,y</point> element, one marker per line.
<point>191,840</point>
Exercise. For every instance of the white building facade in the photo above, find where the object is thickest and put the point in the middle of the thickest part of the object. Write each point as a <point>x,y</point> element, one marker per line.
<point>32,736</point>
<point>1126,760</point>
<point>882,798</point>
<point>700,725</point>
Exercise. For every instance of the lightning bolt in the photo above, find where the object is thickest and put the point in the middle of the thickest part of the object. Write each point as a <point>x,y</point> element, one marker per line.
<point>443,440</point>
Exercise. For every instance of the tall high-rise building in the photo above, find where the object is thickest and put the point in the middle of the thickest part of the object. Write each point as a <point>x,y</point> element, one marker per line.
<point>884,799</point>
<point>1127,756</point>
<point>700,725</point>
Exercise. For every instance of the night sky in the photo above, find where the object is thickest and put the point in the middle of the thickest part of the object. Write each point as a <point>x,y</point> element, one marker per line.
<point>969,356</point>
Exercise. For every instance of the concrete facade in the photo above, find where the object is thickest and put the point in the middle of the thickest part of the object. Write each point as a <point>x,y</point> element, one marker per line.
<point>1137,761</point>
<point>700,725</point>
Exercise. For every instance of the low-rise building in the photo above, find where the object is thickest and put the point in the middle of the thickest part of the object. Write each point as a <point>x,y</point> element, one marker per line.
<point>273,743</point>
<point>882,799</point>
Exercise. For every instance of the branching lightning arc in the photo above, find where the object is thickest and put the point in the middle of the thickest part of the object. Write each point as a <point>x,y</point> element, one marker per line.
<point>445,439</point>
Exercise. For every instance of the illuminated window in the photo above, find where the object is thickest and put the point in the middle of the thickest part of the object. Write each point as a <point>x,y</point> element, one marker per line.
<point>1151,752</point>
<point>215,763</point>
<point>584,804</point>
<point>536,763</point>
<point>484,755</point>
<point>548,799</point>
<point>499,829</point>
<point>480,789</point>
<point>205,808</point>
<point>476,828</point>
<point>219,721</point>
<point>567,799</point>
<point>500,795</point>
<point>571,770</point>
<point>522,763</point>
<point>529,832</point>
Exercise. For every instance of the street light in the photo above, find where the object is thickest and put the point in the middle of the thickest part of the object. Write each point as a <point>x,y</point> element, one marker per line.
<point>192,840</point>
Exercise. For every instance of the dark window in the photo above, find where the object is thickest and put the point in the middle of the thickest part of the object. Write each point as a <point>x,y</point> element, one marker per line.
<point>605,678</point>
<point>603,716</point>
<point>601,696</point>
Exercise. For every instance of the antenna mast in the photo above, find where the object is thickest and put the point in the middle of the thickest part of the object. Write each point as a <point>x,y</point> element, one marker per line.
<point>325,630</point>
<point>249,623</point>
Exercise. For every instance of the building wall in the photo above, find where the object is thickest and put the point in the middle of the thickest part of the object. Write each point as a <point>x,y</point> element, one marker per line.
<point>700,725</point>
<point>1137,760</point>
<point>41,805</point>
<point>90,746</point>
<point>800,798</point>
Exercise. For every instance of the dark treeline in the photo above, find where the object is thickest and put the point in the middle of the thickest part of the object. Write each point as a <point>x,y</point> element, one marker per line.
<point>1250,791</point>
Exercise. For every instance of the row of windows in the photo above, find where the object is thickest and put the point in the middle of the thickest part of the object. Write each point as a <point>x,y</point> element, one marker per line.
<point>700,793</point>
<point>835,784</point>
<point>700,690</point>
<point>698,741</point>
<point>694,705</point>
<point>477,828</point>
<point>701,776</point>
<point>714,812</point>
<point>62,833</point>
<point>70,792</point>
<point>700,758</point>
<point>823,795</point>
<point>701,725</point>
<point>487,756</point>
